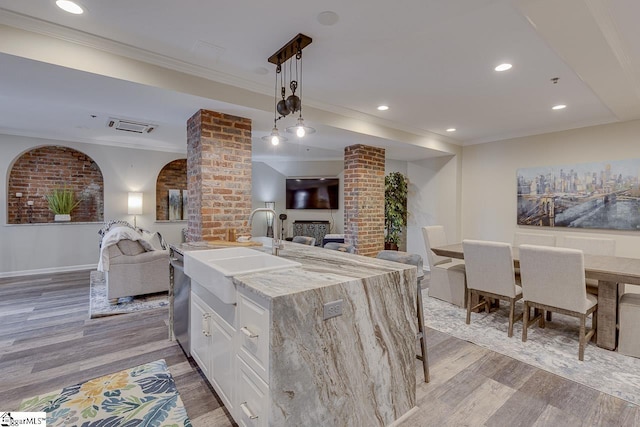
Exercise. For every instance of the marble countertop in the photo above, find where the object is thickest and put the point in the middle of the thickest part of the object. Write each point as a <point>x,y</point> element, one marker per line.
<point>320,268</point>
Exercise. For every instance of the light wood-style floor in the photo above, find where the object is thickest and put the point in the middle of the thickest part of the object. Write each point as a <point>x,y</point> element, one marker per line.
<point>47,342</point>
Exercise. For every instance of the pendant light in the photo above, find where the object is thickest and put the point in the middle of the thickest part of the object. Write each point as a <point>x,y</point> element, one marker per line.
<point>274,137</point>
<point>300,129</point>
<point>293,103</point>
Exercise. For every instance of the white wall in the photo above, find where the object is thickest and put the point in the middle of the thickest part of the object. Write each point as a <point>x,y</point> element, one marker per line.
<point>57,247</point>
<point>433,199</point>
<point>489,178</point>
<point>267,185</point>
<point>324,168</point>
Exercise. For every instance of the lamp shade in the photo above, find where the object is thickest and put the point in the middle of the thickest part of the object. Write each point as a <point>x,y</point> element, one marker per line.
<point>135,203</point>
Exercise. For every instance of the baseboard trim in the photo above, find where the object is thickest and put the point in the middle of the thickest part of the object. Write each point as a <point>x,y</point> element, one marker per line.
<point>48,270</point>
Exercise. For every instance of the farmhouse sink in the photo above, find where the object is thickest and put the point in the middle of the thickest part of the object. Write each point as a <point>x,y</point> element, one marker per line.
<point>213,269</point>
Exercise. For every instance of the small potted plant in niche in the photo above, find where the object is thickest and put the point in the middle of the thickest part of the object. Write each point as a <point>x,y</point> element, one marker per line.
<point>61,202</point>
<point>395,208</point>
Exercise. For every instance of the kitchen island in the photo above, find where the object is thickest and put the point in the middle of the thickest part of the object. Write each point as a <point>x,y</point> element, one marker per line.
<point>331,342</point>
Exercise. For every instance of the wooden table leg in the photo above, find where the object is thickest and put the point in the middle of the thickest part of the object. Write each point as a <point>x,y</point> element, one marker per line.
<point>607,314</point>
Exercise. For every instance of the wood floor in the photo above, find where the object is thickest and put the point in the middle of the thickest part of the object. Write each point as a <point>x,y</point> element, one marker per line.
<point>47,342</point>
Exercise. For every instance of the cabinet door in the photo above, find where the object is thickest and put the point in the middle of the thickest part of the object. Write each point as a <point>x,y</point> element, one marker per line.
<point>253,336</point>
<point>253,398</point>
<point>201,334</point>
<point>222,360</point>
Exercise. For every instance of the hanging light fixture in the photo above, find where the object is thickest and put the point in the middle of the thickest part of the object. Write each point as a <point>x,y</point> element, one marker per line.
<point>293,103</point>
<point>274,137</point>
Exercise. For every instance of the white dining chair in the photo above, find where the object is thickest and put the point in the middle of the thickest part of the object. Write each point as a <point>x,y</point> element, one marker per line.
<point>490,274</point>
<point>553,280</point>
<point>591,246</point>
<point>448,280</point>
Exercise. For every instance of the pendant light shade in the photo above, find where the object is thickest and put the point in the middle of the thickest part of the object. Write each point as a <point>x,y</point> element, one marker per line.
<point>274,137</point>
<point>300,129</point>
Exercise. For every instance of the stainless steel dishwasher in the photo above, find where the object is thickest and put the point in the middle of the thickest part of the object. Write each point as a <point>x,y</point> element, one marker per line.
<point>181,300</point>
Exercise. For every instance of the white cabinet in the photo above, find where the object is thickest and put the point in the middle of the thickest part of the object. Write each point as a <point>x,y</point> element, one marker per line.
<point>200,323</point>
<point>212,348</point>
<point>253,398</point>
<point>234,357</point>
<point>253,339</point>
<point>222,359</point>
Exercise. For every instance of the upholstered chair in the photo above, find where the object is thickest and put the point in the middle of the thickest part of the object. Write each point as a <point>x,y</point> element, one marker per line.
<point>447,280</point>
<point>413,259</point>
<point>134,262</point>
<point>305,240</point>
<point>553,280</point>
<point>591,246</point>
<point>490,274</point>
<point>342,247</point>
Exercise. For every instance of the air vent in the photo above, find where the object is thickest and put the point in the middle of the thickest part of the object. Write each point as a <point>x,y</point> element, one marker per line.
<point>130,126</point>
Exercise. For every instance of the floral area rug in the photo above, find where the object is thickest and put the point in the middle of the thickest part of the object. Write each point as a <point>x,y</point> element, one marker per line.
<point>554,348</point>
<point>142,396</point>
<point>101,307</point>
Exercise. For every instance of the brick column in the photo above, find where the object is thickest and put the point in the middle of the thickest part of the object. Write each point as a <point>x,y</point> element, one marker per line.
<point>218,175</point>
<point>364,198</point>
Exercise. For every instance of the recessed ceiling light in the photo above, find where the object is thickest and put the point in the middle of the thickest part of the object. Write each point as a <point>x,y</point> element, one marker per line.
<point>383,107</point>
<point>503,67</point>
<point>451,130</point>
<point>559,107</point>
<point>328,18</point>
<point>69,6</point>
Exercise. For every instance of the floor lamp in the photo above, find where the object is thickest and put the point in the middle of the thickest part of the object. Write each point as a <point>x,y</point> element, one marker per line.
<point>135,206</point>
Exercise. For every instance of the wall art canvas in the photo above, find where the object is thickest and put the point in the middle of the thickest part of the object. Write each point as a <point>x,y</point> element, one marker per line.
<point>175,205</point>
<point>185,204</point>
<point>583,195</point>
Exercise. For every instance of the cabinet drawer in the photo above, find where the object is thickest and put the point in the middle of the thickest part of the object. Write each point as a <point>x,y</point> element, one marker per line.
<point>253,335</point>
<point>253,398</point>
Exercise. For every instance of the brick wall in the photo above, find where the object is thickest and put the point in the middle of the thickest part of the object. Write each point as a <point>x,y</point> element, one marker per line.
<point>173,176</point>
<point>38,171</point>
<point>218,174</point>
<point>364,198</point>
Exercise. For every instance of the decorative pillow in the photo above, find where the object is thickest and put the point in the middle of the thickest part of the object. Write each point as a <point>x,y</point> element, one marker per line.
<point>130,247</point>
<point>154,239</point>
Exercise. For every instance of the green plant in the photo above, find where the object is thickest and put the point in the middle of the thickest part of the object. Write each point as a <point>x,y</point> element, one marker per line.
<point>395,206</point>
<point>61,201</point>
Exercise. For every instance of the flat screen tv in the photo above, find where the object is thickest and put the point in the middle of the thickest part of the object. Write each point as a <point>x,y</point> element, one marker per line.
<point>312,193</point>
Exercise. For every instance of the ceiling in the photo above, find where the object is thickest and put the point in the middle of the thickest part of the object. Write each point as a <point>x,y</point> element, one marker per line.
<point>431,61</point>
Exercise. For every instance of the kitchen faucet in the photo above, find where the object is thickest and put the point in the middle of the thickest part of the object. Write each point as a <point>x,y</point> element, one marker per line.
<point>277,243</point>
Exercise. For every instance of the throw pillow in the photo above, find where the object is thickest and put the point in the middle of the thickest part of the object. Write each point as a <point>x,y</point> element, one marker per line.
<point>130,247</point>
<point>153,239</point>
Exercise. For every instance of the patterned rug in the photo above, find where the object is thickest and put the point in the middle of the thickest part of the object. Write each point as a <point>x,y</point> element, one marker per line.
<point>100,306</point>
<point>554,348</point>
<point>142,396</point>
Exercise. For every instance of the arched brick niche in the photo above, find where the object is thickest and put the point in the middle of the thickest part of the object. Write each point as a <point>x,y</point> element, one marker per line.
<point>40,170</point>
<point>173,176</point>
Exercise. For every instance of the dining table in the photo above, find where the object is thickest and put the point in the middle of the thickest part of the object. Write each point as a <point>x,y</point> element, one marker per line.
<point>609,271</point>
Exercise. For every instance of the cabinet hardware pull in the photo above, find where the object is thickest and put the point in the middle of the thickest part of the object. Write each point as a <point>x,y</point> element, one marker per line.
<point>206,327</point>
<point>247,411</point>
<point>248,333</point>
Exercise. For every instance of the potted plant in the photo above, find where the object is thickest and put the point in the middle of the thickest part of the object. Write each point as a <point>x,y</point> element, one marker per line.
<point>395,208</point>
<point>61,202</point>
